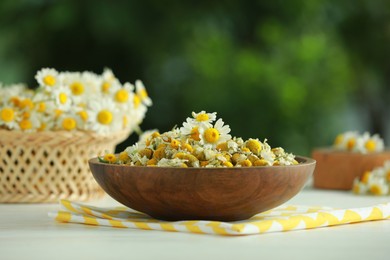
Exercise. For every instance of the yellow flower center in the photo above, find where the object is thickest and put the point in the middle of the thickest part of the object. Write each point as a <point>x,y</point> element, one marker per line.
<point>26,115</point>
<point>42,127</point>
<point>356,188</point>
<point>254,146</point>
<point>41,107</point>
<point>104,117</point>
<point>121,96</point>
<point>137,101</point>
<point>339,139</point>
<point>57,113</point>
<point>222,146</point>
<point>260,162</point>
<point>15,101</point>
<point>111,158</point>
<point>7,114</point>
<point>366,176</point>
<point>245,150</point>
<point>69,123</point>
<point>211,135</point>
<point>195,134</point>
<point>106,87</point>
<point>155,134</point>
<point>49,80</point>
<point>83,114</point>
<point>227,164</point>
<point>187,147</point>
<point>375,189</point>
<point>245,163</point>
<point>123,156</point>
<point>26,103</point>
<point>202,117</point>
<point>63,98</point>
<point>351,143</point>
<point>77,88</point>
<point>370,145</point>
<point>175,144</point>
<point>25,124</point>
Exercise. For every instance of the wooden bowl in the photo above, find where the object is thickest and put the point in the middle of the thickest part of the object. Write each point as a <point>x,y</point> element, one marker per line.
<point>223,194</point>
<point>337,169</point>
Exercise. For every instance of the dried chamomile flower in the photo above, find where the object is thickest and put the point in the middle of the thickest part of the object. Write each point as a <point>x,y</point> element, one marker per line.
<point>202,141</point>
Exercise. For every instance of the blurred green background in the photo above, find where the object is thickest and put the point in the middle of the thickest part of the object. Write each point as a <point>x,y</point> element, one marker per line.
<point>295,72</point>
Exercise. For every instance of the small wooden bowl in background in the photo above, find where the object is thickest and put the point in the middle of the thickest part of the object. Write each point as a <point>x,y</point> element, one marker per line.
<point>337,169</point>
<point>223,194</point>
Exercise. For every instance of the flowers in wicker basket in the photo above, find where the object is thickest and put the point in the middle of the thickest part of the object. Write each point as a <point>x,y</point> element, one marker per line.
<point>73,101</point>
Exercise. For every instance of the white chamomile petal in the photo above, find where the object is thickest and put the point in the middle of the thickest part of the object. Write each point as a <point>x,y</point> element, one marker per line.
<point>142,93</point>
<point>47,78</point>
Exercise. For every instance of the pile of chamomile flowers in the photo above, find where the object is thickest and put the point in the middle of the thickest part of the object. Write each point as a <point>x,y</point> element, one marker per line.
<point>353,141</point>
<point>374,182</point>
<point>202,141</point>
<point>73,101</point>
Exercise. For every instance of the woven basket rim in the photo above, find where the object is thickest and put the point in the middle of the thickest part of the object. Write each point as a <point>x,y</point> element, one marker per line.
<point>11,137</point>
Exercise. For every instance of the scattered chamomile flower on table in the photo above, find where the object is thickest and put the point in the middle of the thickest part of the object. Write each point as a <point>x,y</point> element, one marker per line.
<point>361,143</point>
<point>199,142</point>
<point>73,101</point>
<point>375,182</point>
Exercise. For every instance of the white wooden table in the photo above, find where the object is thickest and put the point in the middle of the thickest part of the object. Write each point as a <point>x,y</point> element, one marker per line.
<point>26,232</point>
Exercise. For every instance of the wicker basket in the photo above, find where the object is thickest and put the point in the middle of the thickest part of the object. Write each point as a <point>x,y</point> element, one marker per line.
<point>48,166</point>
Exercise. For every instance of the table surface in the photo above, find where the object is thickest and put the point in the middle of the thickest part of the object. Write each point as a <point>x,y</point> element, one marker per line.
<point>26,232</point>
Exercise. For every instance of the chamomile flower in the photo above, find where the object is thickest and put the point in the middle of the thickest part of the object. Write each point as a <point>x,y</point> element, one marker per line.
<point>375,182</point>
<point>286,159</point>
<point>219,133</point>
<point>359,187</point>
<point>28,121</point>
<point>254,145</point>
<point>142,93</point>
<point>353,141</point>
<point>8,116</point>
<point>378,186</point>
<point>370,144</point>
<point>104,117</point>
<point>203,119</point>
<point>68,122</point>
<point>179,148</point>
<point>346,141</point>
<point>146,136</point>
<point>61,93</point>
<point>267,154</point>
<point>191,130</point>
<point>48,78</point>
<point>77,86</point>
<point>62,98</point>
<point>124,96</point>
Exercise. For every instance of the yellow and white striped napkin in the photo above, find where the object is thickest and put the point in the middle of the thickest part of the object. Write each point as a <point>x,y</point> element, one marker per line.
<point>283,218</point>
